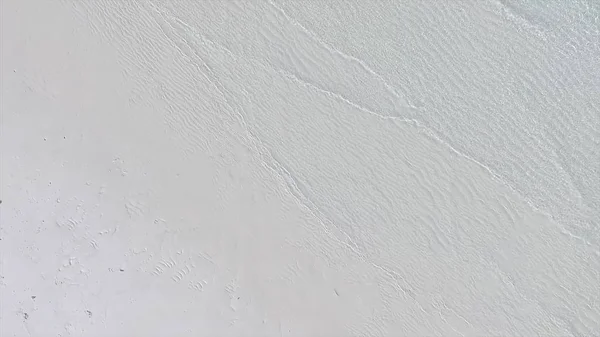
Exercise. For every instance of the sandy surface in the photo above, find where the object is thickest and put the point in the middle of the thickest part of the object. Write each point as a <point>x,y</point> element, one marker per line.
<point>300,168</point>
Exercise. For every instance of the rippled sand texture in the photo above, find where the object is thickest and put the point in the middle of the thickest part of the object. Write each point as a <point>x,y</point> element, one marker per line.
<point>300,168</point>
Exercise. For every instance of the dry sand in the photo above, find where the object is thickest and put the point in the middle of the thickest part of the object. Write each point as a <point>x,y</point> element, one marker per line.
<point>300,168</point>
